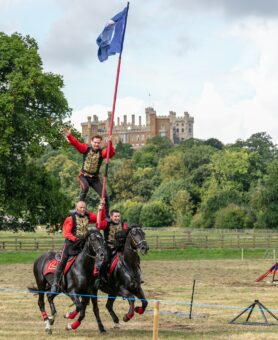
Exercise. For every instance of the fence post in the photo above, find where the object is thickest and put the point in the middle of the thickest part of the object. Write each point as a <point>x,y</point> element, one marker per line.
<point>16,243</point>
<point>174,241</point>
<point>156,242</point>
<point>189,236</point>
<point>254,240</point>
<point>36,244</point>
<point>242,254</point>
<point>274,254</point>
<point>206,241</point>
<point>192,297</point>
<point>222,240</point>
<point>155,320</point>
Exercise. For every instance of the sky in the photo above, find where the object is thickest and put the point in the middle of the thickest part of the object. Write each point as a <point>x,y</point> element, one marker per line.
<point>215,59</point>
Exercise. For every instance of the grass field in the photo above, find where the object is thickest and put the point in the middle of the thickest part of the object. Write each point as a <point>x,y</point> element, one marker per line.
<point>223,288</point>
<point>156,255</point>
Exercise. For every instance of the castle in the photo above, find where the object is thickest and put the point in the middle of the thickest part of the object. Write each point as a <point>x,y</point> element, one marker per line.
<point>177,129</point>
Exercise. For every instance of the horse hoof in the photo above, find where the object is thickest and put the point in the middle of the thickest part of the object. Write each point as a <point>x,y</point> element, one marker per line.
<point>48,331</point>
<point>102,330</point>
<point>126,319</point>
<point>117,325</point>
<point>68,327</point>
<point>51,320</point>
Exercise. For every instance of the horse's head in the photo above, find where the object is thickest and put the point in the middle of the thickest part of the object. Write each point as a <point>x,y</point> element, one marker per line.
<point>96,246</point>
<point>137,238</point>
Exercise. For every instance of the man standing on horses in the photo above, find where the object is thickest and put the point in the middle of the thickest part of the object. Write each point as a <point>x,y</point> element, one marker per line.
<point>75,228</point>
<point>115,233</point>
<point>93,156</point>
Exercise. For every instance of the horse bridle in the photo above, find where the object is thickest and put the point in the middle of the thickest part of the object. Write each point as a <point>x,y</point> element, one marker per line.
<point>98,236</point>
<point>136,244</point>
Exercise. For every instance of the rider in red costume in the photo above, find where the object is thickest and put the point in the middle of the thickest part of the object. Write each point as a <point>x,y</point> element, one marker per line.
<point>93,156</point>
<point>74,229</point>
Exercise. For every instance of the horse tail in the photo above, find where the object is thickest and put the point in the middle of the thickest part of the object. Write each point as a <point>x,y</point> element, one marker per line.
<point>34,290</point>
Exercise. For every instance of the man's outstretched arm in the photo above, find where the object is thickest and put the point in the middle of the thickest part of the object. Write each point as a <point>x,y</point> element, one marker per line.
<point>81,147</point>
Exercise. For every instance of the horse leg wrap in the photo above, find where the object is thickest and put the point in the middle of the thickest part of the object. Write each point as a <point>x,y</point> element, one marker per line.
<point>44,316</point>
<point>71,315</point>
<point>139,310</point>
<point>127,317</point>
<point>76,324</point>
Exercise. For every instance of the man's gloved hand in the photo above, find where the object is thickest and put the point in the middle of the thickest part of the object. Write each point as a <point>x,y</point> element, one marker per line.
<point>79,243</point>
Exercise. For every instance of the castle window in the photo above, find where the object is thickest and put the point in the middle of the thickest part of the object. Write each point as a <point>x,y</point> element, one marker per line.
<point>178,130</point>
<point>86,139</point>
<point>182,130</point>
<point>182,124</point>
<point>190,129</point>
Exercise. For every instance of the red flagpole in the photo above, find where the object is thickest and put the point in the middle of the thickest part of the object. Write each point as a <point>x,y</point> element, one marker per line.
<point>112,115</point>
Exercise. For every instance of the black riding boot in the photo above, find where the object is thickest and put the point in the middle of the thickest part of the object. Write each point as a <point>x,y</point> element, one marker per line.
<point>56,281</point>
<point>59,273</point>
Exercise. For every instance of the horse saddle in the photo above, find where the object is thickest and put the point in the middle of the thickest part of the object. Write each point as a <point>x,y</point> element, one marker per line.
<point>51,265</point>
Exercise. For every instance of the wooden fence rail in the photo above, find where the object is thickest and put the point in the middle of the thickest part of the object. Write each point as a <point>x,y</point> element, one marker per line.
<point>166,241</point>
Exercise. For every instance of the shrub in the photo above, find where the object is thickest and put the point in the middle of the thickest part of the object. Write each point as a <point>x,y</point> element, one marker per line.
<point>155,214</point>
<point>197,221</point>
<point>184,220</point>
<point>133,213</point>
<point>232,217</point>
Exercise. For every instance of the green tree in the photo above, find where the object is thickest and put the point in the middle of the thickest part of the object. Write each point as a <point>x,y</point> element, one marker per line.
<point>172,167</point>
<point>230,169</point>
<point>218,200</point>
<point>146,180</point>
<point>267,202</point>
<point>152,152</point>
<point>122,182</point>
<point>155,214</point>
<point>32,108</point>
<point>167,190</point>
<point>233,217</point>
<point>124,150</point>
<point>183,208</point>
<point>217,144</point>
<point>262,143</point>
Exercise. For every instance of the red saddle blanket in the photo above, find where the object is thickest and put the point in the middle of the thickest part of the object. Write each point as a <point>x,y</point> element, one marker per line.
<point>52,265</point>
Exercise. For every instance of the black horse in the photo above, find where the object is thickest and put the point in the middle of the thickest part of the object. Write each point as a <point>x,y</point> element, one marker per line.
<point>78,280</point>
<point>125,279</point>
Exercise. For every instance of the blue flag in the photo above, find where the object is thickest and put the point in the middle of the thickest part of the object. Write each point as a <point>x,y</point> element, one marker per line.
<point>110,41</point>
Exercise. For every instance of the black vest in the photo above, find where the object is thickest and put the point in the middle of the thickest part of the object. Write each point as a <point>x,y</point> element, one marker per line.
<point>80,224</point>
<point>111,230</point>
<point>92,162</point>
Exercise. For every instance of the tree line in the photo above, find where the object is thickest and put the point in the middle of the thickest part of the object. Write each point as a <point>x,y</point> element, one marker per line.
<point>198,183</point>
